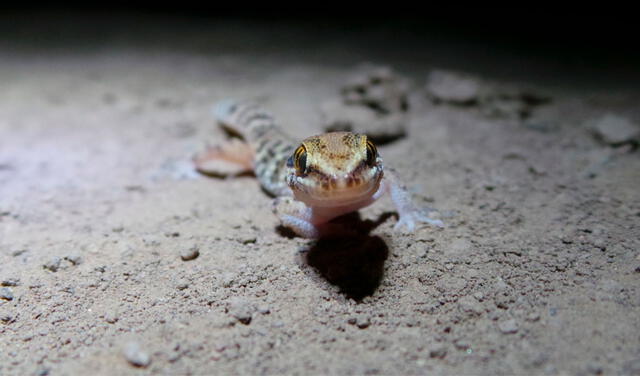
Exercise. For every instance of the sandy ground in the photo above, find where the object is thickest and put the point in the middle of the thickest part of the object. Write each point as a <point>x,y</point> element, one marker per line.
<point>536,272</point>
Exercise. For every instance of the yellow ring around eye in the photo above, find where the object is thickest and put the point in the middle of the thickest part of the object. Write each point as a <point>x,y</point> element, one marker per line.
<point>300,151</point>
<point>372,147</point>
<point>372,153</point>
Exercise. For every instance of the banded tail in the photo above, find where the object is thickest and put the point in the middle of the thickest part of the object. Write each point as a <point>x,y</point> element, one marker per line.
<point>258,128</point>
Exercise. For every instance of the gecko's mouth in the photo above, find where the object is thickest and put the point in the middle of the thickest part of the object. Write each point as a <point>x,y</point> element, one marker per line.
<point>322,190</point>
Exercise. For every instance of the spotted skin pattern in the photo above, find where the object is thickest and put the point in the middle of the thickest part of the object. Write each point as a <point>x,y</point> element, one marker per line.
<point>314,181</point>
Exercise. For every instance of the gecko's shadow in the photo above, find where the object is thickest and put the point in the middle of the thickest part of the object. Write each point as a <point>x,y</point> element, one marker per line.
<point>353,261</point>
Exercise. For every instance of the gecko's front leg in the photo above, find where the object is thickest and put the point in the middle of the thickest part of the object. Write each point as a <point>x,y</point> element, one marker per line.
<point>409,214</point>
<point>296,216</point>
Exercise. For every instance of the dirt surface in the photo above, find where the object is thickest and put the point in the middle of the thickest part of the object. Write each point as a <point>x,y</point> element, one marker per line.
<point>117,258</point>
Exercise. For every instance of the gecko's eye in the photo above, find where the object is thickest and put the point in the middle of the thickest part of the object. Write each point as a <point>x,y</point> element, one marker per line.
<point>372,154</point>
<point>300,159</point>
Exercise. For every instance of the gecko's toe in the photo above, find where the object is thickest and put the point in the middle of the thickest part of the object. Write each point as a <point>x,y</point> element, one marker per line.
<point>407,222</point>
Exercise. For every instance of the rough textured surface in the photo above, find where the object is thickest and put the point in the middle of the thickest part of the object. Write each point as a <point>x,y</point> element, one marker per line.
<point>374,100</point>
<point>537,271</point>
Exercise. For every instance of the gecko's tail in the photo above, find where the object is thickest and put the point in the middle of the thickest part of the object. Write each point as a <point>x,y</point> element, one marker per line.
<point>247,119</point>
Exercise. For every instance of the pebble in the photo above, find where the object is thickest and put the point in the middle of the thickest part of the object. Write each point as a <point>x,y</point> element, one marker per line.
<point>509,326</point>
<point>74,259</point>
<point>462,344</point>
<point>10,282</point>
<point>533,316</point>
<point>373,101</point>
<point>249,240</point>
<point>18,252</point>
<point>6,293</point>
<point>6,318</point>
<point>111,317</point>
<point>241,309</point>
<point>53,264</point>
<point>228,279</point>
<point>438,352</point>
<point>182,285</point>
<point>378,88</point>
<point>190,254</point>
<point>361,321</point>
<point>453,87</point>
<point>470,305</point>
<point>615,130</point>
<point>136,355</point>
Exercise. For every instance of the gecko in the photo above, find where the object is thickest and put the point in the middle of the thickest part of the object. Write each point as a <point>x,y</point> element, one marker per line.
<point>313,181</point>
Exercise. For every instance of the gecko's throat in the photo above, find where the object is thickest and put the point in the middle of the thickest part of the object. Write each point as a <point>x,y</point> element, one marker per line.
<point>318,189</point>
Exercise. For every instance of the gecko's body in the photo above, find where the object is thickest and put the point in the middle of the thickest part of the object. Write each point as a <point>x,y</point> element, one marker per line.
<point>315,181</point>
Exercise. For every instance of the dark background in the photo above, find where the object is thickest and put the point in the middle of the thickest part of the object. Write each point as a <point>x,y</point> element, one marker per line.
<point>597,45</point>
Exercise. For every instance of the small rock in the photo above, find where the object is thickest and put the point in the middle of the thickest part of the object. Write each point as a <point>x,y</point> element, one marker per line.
<point>479,296</point>
<point>74,259</point>
<point>53,264</point>
<point>182,285</point>
<point>594,369</point>
<point>111,317</point>
<point>6,293</point>
<point>615,130</point>
<point>508,327</point>
<point>190,254</point>
<point>18,252</point>
<point>453,87</point>
<point>361,321</point>
<point>10,282</point>
<point>462,344</point>
<point>377,88</point>
<point>241,309</point>
<point>438,352</point>
<point>533,316</point>
<point>373,101</point>
<point>337,116</point>
<point>6,318</point>
<point>249,240</point>
<point>470,305</point>
<point>228,279</point>
<point>135,355</point>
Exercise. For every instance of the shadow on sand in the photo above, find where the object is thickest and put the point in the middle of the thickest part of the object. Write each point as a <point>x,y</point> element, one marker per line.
<point>353,260</point>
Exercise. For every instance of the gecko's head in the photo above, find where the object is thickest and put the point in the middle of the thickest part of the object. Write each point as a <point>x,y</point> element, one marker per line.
<point>334,169</point>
